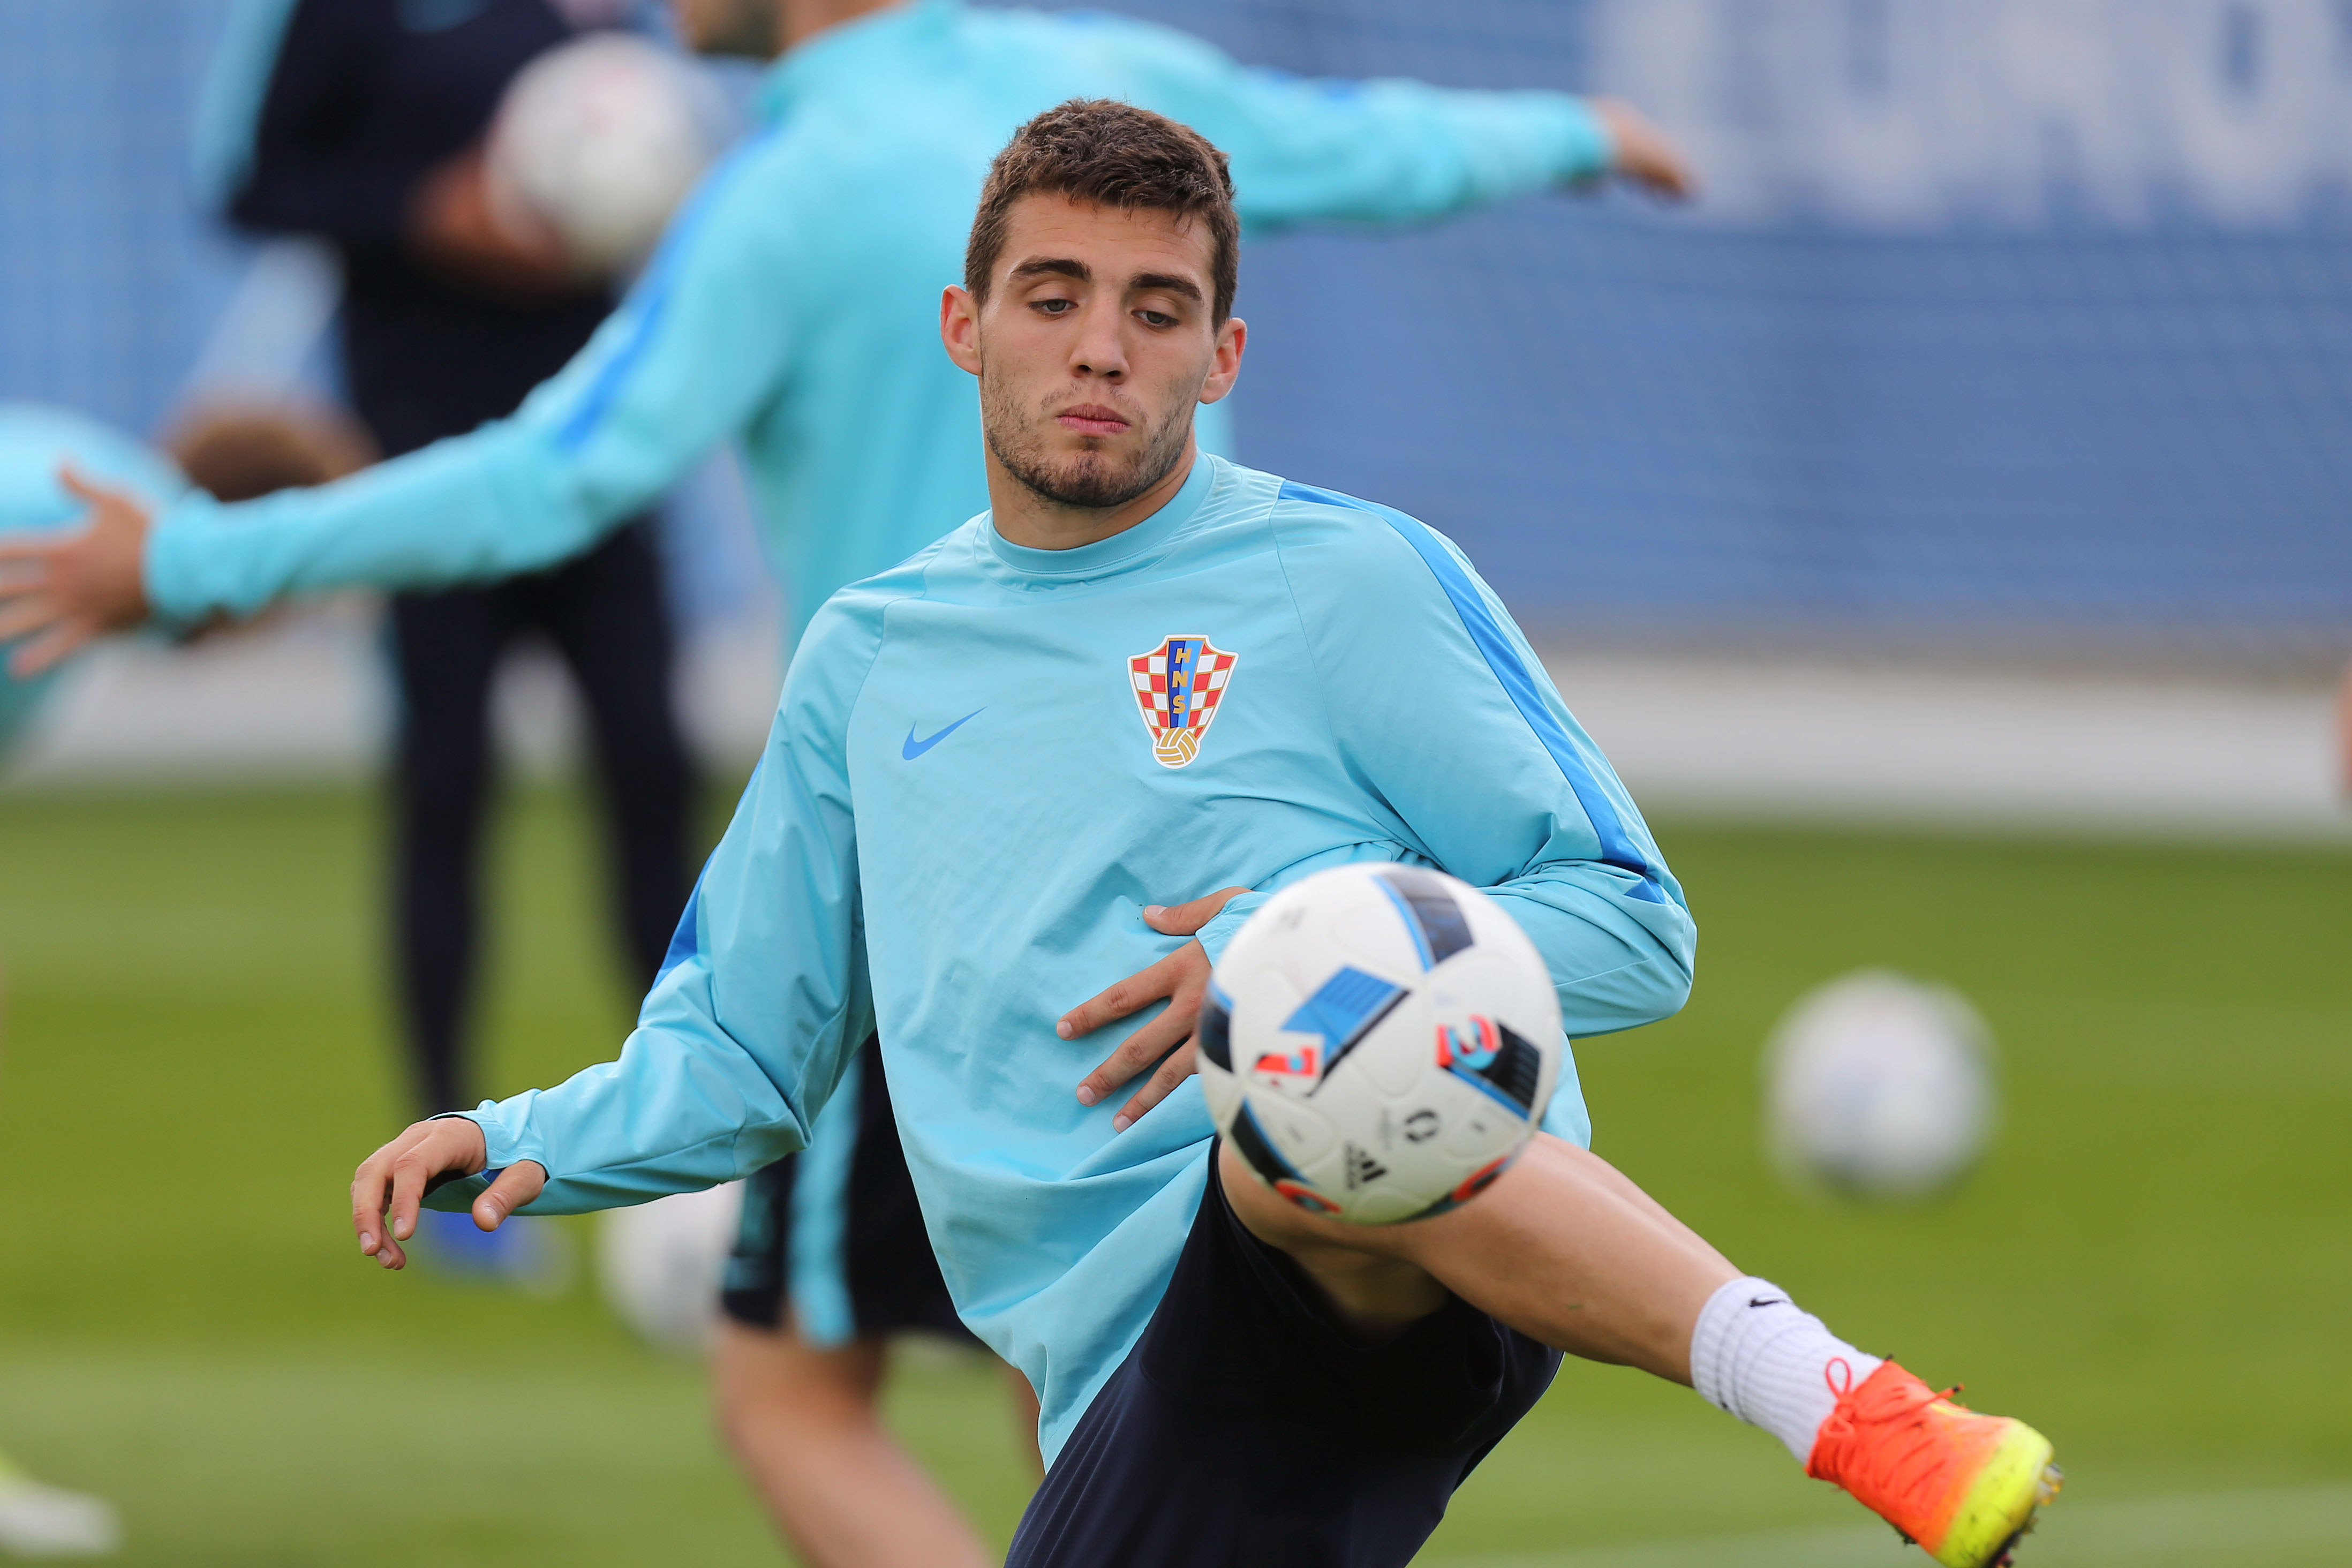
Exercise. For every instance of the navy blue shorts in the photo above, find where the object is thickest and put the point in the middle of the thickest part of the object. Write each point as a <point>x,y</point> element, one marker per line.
<point>1247,1430</point>
<point>876,1271</point>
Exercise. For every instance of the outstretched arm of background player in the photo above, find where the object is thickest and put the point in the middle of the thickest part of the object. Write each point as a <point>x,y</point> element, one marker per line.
<point>759,1007</point>
<point>1393,151</point>
<point>696,347</point>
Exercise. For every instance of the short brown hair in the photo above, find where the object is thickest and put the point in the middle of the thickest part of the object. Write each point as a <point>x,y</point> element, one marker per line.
<point>1111,154</point>
<point>242,449</point>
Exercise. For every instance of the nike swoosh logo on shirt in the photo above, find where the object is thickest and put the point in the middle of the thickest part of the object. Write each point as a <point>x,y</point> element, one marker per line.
<point>914,748</point>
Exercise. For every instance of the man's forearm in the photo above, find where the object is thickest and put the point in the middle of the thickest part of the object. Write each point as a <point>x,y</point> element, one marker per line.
<point>499,501</point>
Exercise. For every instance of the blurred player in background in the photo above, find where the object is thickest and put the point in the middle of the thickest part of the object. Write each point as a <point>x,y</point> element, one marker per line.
<point>791,308</point>
<point>368,133</point>
<point>35,1519</point>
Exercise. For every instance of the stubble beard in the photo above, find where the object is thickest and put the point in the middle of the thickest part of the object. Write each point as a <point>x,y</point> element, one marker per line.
<point>1090,480</point>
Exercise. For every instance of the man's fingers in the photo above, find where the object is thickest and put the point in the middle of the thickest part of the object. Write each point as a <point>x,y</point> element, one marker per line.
<point>1139,1050</point>
<point>1133,994</point>
<point>1159,1087</point>
<point>46,650</point>
<point>23,610</point>
<point>517,1185</point>
<point>410,1172</point>
<point>368,1186</point>
<point>1185,920</point>
<point>78,484</point>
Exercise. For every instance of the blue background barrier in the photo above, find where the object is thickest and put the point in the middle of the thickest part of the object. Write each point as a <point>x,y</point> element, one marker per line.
<point>2002,325</point>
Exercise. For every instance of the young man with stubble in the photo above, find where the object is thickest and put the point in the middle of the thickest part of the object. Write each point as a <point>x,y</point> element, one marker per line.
<point>1225,1379</point>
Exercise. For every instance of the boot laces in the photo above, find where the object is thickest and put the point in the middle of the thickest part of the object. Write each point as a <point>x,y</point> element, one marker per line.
<point>1882,1445</point>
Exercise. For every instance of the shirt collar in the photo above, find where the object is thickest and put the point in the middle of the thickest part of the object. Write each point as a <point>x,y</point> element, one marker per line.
<point>843,48</point>
<point>1129,547</point>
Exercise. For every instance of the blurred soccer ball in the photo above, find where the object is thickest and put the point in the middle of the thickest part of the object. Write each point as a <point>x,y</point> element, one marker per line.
<point>600,140</point>
<point>1379,1042</point>
<point>659,1264</point>
<point>1879,1086</point>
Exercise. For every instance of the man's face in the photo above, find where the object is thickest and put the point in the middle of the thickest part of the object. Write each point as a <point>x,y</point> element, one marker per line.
<point>745,28</point>
<point>1094,348</point>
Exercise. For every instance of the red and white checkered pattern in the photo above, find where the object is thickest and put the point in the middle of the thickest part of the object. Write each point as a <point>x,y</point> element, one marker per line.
<point>1212,668</point>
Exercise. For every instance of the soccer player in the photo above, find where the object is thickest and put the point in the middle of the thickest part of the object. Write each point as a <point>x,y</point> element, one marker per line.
<point>790,309</point>
<point>37,1520</point>
<point>960,823</point>
<point>364,130</point>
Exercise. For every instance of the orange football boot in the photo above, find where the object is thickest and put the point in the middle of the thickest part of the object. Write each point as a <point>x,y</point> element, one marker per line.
<point>1961,1485</point>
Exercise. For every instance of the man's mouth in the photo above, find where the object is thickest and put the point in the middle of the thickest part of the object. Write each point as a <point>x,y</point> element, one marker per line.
<point>1091,419</point>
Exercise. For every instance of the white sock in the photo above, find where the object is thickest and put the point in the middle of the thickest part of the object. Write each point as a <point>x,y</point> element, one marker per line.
<point>1757,1355</point>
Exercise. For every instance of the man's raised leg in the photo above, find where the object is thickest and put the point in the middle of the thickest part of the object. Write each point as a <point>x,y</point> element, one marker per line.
<point>1567,1250</point>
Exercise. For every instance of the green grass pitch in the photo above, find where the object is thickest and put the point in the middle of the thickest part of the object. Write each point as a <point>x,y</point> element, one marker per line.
<point>2155,1264</point>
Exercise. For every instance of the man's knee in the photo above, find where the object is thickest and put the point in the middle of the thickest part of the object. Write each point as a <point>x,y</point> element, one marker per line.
<point>770,1381</point>
<point>1362,1270</point>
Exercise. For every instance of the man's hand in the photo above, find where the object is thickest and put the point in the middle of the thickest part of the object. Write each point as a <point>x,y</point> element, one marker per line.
<point>457,227</point>
<point>1183,977</point>
<point>390,1185</point>
<point>59,591</point>
<point>1645,157</point>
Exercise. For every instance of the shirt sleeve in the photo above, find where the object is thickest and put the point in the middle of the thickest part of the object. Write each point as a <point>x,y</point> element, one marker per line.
<point>1385,151</point>
<point>1440,706</point>
<point>761,1002</point>
<point>701,343</point>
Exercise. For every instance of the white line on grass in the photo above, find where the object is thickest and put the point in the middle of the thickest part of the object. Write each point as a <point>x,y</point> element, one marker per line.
<point>2220,1522</point>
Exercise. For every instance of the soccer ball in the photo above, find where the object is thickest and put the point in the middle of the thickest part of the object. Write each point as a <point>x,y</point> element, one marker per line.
<point>600,140</point>
<point>660,1264</point>
<point>1379,1042</point>
<point>1878,1086</point>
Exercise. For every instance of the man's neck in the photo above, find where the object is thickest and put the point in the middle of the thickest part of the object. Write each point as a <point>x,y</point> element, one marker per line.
<point>797,21</point>
<point>1023,517</point>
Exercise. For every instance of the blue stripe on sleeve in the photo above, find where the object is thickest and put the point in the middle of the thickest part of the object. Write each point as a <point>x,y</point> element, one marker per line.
<point>1617,847</point>
<point>687,940</point>
<point>649,300</point>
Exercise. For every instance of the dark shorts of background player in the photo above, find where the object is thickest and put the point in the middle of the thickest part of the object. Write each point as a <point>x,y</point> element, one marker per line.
<point>894,1280</point>
<point>1247,1430</point>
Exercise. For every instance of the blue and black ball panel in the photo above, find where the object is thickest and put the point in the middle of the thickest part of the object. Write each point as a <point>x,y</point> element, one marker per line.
<point>1431,912</point>
<point>1511,1071</point>
<point>1251,1143</point>
<point>1213,1031</point>
<point>1343,1010</point>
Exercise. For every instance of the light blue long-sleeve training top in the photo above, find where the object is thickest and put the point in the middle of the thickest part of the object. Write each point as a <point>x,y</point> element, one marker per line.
<point>794,307</point>
<point>961,812</point>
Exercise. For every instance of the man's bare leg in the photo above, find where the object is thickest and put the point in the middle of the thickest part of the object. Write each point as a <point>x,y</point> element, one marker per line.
<point>806,1426</point>
<point>1563,1248</point>
<point>1568,1251</point>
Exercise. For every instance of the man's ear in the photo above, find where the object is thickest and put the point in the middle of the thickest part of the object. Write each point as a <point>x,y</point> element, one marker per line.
<point>959,327</point>
<point>1226,368</point>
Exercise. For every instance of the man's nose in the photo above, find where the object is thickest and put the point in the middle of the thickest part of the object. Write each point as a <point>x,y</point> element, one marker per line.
<point>1099,349</point>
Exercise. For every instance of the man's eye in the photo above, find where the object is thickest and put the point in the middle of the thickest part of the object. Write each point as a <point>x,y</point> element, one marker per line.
<point>1156,318</point>
<point>1054,307</point>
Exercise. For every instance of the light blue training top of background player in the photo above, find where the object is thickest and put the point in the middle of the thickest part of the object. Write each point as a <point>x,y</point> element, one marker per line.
<point>794,306</point>
<point>959,817</point>
<point>34,441</point>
